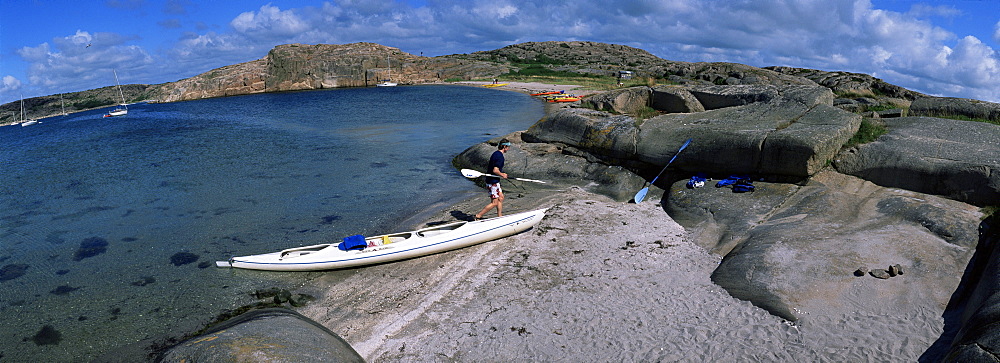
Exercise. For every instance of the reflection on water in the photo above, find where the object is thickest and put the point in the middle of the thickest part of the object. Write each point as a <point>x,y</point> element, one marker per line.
<point>109,228</point>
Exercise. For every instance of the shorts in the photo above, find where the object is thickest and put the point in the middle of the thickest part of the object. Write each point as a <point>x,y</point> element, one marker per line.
<point>495,190</point>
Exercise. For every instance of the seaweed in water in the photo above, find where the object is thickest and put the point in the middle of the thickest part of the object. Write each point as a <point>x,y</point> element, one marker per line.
<point>63,290</point>
<point>91,247</point>
<point>183,258</point>
<point>47,336</point>
<point>12,271</point>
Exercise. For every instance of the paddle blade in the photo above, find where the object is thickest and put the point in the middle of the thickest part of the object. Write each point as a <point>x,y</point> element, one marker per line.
<point>640,195</point>
<point>469,173</point>
<point>531,180</point>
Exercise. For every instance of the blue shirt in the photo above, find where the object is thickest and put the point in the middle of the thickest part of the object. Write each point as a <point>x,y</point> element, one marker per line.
<point>496,160</point>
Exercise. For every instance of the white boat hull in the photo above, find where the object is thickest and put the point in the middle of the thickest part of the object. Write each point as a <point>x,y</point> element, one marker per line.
<point>386,84</point>
<point>117,112</point>
<point>401,246</point>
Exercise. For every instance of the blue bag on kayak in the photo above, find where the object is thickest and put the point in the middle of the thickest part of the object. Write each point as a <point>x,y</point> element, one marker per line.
<point>355,242</point>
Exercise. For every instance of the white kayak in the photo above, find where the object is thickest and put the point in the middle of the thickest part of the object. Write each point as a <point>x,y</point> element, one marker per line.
<point>390,247</point>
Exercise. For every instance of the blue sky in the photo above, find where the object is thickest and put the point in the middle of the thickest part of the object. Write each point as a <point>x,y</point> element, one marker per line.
<point>945,48</point>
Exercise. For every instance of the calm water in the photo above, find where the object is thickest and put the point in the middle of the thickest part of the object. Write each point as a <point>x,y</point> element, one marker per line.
<point>99,213</point>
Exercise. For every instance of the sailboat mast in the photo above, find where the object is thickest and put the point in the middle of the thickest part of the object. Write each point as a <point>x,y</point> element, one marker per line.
<point>119,88</point>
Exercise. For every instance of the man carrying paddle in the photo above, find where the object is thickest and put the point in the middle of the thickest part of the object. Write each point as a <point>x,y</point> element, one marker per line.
<point>495,167</point>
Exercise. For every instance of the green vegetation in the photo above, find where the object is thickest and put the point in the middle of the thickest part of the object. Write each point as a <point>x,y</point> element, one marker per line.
<point>541,71</point>
<point>870,130</point>
<point>645,112</point>
<point>877,108</point>
<point>586,81</point>
<point>538,59</point>
<point>91,103</point>
<point>990,210</point>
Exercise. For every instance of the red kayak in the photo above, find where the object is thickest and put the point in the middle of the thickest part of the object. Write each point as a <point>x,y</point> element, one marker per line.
<point>547,93</point>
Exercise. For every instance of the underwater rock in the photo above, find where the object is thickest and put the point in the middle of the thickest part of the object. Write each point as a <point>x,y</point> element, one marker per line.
<point>330,219</point>
<point>47,336</point>
<point>91,247</point>
<point>146,280</point>
<point>205,264</point>
<point>12,271</point>
<point>63,290</point>
<point>183,258</point>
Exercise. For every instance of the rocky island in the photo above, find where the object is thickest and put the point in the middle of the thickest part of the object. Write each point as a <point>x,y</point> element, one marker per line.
<point>868,236</point>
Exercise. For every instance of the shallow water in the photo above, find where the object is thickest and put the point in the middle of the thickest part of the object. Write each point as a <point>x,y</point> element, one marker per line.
<point>109,227</point>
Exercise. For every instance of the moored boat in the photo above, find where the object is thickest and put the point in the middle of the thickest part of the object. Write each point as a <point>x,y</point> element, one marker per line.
<point>564,99</point>
<point>389,247</point>
<point>122,108</point>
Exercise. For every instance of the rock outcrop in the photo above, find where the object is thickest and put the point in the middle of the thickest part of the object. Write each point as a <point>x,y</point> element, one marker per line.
<point>850,85</point>
<point>951,107</point>
<point>780,132</point>
<point>976,308</point>
<point>293,67</point>
<point>274,334</point>
<point>957,159</point>
<point>792,249</point>
<point>818,215</point>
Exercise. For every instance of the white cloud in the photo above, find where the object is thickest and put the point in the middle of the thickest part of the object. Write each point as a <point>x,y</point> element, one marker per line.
<point>269,23</point>
<point>9,84</point>
<point>996,32</point>
<point>80,61</point>
<point>906,49</point>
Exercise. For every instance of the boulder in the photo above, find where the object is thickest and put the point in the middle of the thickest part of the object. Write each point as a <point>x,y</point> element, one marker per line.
<point>627,101</point>
<point>674,99</point>
<point>713,97</point>
<point>556,163</point>
<point>950,106</point>
<point>265,335</point>
<point>793,135</point>
<point>956,159</point>
<point>795,250</point>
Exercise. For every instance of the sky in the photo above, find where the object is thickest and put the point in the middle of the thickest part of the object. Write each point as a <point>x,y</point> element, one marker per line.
<point>941,48</point>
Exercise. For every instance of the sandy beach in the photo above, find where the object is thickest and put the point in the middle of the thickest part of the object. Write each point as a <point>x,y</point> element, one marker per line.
<point>596,280</point>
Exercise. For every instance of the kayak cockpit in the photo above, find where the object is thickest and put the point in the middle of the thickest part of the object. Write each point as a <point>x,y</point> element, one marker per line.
<point>436,230</point>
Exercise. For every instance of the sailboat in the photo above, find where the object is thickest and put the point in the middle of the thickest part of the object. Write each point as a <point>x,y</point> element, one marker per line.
<point>388,81</point>
<point>26,122</point>
<point>63,104</point>
<point>122,109</point>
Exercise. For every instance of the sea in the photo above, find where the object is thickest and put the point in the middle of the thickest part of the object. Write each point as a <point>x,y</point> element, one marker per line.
<point>110,227</point>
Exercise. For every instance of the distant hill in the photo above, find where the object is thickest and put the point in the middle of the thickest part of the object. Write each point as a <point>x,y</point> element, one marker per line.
<point>293,67</point>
